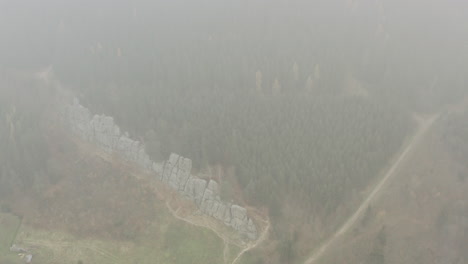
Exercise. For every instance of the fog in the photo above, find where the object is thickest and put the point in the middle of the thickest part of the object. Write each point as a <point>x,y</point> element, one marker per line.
<point>248,131</point>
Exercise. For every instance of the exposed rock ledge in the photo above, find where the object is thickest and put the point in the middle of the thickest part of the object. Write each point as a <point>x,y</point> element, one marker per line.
<point>175,172</point>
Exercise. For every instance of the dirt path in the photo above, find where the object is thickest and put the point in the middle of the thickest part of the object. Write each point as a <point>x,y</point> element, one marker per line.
<point>424,125</point>
<point>226,241</point>
<point>262,238</point>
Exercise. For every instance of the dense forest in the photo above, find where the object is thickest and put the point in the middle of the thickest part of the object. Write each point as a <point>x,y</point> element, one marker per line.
<point>297,104</point>
<point>456,135</point>
<point>23,159</point>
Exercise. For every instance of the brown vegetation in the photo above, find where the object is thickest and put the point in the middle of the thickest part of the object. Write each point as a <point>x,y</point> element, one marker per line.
<point>88,195</point>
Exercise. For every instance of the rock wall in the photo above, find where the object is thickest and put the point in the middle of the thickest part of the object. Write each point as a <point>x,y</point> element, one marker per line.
<point>175,172</point>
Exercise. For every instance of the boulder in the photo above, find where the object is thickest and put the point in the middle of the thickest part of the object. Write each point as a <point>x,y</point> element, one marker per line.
<point>183,173</point>
<point>103,127</point>
<point>169,167</point>
<point>241,223</point>
<point>251,230</point>
<point>221,212</point>
<point>143,159</point>
<point>238,212</point>
<point>207,201</point>
<point>228,216</point>
<point>213,186</point>
<point>211,200</point>
<point>199,187</point>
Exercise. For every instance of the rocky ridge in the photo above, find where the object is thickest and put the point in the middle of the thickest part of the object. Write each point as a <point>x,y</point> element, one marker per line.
<point>102,131</point>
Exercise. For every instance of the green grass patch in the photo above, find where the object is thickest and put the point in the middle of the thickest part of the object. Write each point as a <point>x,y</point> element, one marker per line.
<point>167,241</point>
<point>202,246</point>
<point>233,252</point>
<point>177,243</point>
<point>8,227</point>
<point>250,258</point>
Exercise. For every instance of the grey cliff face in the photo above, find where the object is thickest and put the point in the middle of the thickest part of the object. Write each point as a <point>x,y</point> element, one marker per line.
<point>102,131</point>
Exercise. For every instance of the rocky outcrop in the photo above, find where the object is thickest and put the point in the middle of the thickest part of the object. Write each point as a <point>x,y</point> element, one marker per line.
<point>102,131</point>
<point>206,195</point>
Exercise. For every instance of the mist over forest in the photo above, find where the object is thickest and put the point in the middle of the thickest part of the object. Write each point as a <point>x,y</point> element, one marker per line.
<point>224,132</point>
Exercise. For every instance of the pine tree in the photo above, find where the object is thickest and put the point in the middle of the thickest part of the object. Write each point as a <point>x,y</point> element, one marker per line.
<point>276,89</point>
<point>296,72</point>
<point>258,81</point>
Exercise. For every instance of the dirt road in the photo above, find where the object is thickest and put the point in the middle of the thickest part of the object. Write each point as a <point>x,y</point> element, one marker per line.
<point>424,126</point>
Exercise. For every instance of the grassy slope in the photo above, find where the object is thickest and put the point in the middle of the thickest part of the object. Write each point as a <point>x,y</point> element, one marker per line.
<point>64,226</point>
<point>171,242</point>
<point>8,226</point>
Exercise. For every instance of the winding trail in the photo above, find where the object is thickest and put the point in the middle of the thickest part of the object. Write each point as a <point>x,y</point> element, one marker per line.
<point>226,241</point>
<point>424,126</point>
<point>175,213</point>
<point>262,238</point>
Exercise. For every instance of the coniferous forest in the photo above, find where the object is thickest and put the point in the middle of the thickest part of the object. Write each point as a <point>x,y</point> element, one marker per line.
<point>300,104</point>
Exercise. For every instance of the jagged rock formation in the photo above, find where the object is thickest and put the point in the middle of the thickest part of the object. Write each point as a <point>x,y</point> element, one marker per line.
<point>175,172</point>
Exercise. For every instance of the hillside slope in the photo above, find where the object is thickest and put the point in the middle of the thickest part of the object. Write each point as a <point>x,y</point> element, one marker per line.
<point>422,216</point>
